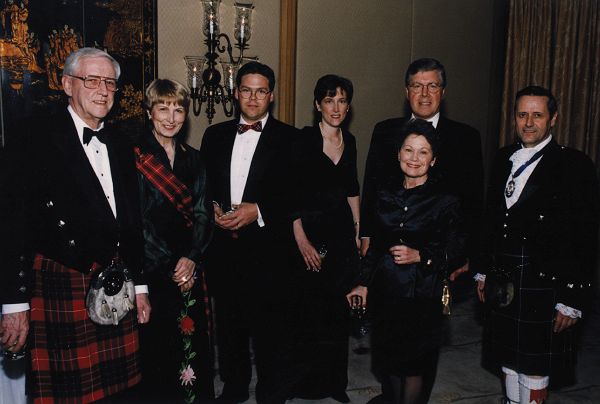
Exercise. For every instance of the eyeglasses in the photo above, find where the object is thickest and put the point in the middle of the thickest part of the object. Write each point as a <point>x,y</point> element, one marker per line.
<point>260,93</point>
<point>417,88</point>
<point>93,82</point>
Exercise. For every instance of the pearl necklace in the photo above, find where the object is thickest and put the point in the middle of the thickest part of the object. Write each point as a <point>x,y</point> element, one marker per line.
<point>341,136</point>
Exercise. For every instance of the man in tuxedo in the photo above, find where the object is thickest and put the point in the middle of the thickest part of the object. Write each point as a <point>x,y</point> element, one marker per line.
<point>248,171</point>
<point>68,199</point>
<point>459,163</point>
<point>542,218</point>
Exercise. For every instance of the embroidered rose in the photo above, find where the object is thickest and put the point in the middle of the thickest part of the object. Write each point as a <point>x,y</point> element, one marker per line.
<point>186,325</point>
<point>187,376</point>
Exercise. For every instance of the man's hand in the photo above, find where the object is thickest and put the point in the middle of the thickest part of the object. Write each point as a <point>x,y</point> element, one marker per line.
<point>184,271</point>
<point>481,291</point>
<point>143,307</point>
<point>243,215</point>
<point>562,322</point>
<point>13,330</point>
<point>461,270</point>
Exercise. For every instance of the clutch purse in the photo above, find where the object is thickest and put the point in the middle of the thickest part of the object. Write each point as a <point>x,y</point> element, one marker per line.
<point>111,295</point>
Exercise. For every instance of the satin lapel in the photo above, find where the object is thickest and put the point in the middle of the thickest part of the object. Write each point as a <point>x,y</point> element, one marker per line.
<point>119,179</point>
<point>67,144</point>
<point>259,160</point>
<point>539,174</point>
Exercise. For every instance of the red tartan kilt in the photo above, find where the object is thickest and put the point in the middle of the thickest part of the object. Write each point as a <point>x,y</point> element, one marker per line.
<point>74,360</point>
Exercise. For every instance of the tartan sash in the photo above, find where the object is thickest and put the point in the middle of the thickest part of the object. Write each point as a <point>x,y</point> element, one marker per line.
<point>166,182</point>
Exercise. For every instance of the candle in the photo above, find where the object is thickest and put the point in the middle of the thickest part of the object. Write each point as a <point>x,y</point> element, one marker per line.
<point>194,79</point>
<point>231,82</point>
<point>211,25</point>
<point>242,24</point>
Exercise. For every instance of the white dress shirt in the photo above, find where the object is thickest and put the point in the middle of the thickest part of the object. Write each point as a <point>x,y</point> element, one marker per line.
<point>242,153</point>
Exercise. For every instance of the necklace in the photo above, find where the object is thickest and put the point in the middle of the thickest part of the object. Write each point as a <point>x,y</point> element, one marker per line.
<point>510,187</point>
<point>340,132</point>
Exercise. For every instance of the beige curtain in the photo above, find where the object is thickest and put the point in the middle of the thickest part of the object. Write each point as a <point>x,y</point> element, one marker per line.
<point>556,44</point>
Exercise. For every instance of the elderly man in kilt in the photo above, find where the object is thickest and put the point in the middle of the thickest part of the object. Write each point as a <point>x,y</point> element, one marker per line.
<point>543,223</point>
<point>68,196</point>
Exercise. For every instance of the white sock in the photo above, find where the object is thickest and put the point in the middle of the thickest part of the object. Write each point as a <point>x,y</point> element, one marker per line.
<point>511,381</point>
<point>532,389</point>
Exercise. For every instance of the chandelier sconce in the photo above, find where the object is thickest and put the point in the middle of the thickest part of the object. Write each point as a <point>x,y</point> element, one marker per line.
<point>204,78</point>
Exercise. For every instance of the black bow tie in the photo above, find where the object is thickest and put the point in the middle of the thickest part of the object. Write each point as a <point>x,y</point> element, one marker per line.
<point>88,134</point>
<point>257,126</point>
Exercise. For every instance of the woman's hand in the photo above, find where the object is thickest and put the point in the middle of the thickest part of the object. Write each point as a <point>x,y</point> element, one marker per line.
<point>361,292</point>
<point>480,291</point>
<point>188,285</point>
<point>184,271</point>
<point>405,255</point>
<point>310,254</point>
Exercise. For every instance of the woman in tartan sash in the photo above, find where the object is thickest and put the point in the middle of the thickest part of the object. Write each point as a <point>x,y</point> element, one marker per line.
<point>176,216</point>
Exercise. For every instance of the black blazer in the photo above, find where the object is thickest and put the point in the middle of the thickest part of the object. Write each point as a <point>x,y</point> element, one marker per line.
<point>268,185</point>
<point>52,203</point>
<point>459,168</point>
<point>556,217</point>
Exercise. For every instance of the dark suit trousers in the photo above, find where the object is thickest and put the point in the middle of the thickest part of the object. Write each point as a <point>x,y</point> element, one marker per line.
<point>256,312</point>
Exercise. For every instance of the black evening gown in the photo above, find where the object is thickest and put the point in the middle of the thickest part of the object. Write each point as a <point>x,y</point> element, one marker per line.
<point>322,190</point>
<point>405,300</point>
<point>166,239</point>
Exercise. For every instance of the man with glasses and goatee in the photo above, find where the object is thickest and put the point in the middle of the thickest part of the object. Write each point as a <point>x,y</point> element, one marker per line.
<point>68,198</point>
<point>248,171</point>
<point>458,168</point>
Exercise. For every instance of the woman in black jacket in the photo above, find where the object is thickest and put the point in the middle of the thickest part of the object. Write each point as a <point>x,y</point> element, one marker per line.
<point>417,240</point>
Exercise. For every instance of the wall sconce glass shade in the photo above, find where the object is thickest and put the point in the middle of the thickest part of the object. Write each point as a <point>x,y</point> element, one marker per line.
<point>243,22</point>
<point>229,75</point>
<point>195,68</point>
<point>210,27</point>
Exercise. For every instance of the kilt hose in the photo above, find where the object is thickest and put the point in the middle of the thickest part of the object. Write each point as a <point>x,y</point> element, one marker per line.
<point>74,360</point>
<point>520,336</point>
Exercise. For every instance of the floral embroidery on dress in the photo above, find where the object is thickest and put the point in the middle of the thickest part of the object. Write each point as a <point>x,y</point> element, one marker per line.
<point>186,325</point>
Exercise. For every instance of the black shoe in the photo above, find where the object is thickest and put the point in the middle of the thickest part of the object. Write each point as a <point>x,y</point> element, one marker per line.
<point>341,397</point>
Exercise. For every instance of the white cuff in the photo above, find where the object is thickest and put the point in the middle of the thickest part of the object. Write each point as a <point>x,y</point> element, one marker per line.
<point>139,289</point>
<point>479,277</point>
<point>260,221</point>
<point>14,308</point>
<point>568,311</point>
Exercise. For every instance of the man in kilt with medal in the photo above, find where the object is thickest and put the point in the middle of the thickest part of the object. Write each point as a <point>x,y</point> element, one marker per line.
<point>68,194</point>
<point>542,226</point>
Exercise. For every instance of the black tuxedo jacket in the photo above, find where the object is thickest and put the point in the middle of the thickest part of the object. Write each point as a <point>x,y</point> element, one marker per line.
<point>556,217</point>
<point>459,166</point>
<point>253,255</point>
<point>52,203</point>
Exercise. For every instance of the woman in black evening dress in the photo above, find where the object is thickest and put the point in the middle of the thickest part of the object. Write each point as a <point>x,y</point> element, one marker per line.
<point>177,223</point>
<point>418,240</point>
<point>326,221</point>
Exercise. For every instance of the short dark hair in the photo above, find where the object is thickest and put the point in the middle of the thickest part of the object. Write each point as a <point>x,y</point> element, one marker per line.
<point>327,87</point>
<point>256,68</point>
<point>423,128</point>
<point>538,92</point>
<point>425,65</point>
